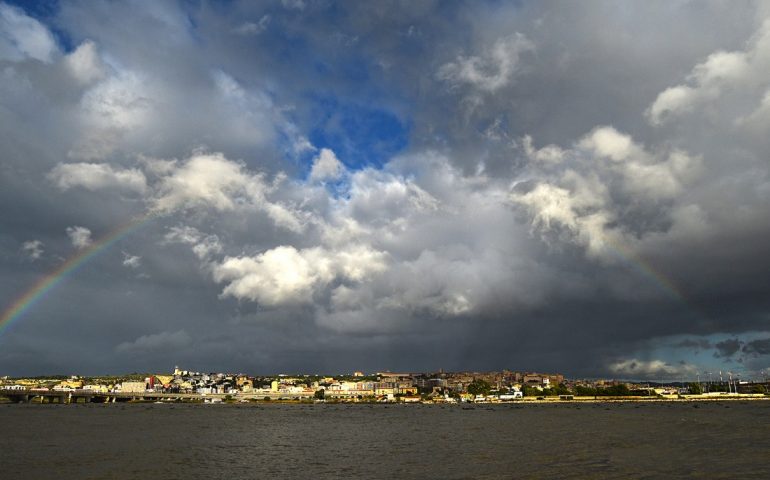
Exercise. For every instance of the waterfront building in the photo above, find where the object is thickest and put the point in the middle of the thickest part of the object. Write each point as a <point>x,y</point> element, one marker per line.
<point>132,387</point>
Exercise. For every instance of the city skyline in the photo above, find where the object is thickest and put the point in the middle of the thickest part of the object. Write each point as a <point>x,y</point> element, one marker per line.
<point>322,186</point>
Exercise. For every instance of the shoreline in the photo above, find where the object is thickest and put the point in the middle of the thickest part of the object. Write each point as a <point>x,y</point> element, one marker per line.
<point>547,401</point>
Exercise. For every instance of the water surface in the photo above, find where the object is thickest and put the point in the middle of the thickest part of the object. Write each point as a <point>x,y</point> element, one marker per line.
<point>629,440</point>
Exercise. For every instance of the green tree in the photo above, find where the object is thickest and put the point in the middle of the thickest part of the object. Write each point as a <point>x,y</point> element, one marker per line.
<point>561,389</point>
<point>319,394</point>
<point>528,391</point>
<point>617,391</point>
<point>694,388</point>
<point>479,387</point>
<point>584,391</point>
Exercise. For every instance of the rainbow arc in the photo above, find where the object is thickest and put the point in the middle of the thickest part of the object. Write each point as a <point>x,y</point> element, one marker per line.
<point>38,291</point>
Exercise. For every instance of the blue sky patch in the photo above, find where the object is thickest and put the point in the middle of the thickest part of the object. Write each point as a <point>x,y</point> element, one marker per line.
<point>359,135</point>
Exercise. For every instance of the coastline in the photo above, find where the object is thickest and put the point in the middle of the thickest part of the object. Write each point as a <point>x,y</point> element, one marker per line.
<point>241,400</point>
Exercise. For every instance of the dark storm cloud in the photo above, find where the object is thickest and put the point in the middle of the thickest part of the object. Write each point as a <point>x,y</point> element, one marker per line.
<point>727,348</point>
<point>758,347</point>
<point>501,186</point>
<point>694,343</point>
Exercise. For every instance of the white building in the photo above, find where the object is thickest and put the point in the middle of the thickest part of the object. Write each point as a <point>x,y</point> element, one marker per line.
<point>511,395</point>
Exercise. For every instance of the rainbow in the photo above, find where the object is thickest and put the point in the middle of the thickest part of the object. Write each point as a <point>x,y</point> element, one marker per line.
<point>654,276</point>
<point>34,294</point>
<point>646,270</point>
<point>50,281</point>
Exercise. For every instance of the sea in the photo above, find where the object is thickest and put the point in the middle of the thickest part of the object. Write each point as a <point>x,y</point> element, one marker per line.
<point>336,441</point>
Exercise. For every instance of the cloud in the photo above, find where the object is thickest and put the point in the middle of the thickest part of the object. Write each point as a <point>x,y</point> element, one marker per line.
<point>656,175</point>
<point>84,64</point>
<point>157,341</point>
<point>293,4</point>
<point>285,275</point>
<point>696,344</point>
<point>120,102</point>
<point>24,37</point>
<point>111,109</point>
<point>609,176</point>
<point>211,181</point>
<point>182,234</point>
<point>708,78</point>
<point>97,176</point>
<point>79,236</point>
<point>33,249</point>
<point>131,261</point>
<point>326,166</point>
<point>386,251</point>
<point>547,154</point>
<point>501,180</point>
<point>204,246</point>
<point>721,73</point>
<point>757,347</point>
<point>651,369</point>
<point>606,142</point>
<point>253,28</point>
<point>492,70</point>
<point>250,114</point>
<point>727,348</point>
<point>580,213</point>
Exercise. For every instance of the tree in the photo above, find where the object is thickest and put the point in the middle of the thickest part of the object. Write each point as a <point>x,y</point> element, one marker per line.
<point>620,390</point>
<point>694,388</point>
<point>479,387</point>
<point>319,394</point>
<point>528,391</point>
<point>584,391</point>
<point>561,389</point>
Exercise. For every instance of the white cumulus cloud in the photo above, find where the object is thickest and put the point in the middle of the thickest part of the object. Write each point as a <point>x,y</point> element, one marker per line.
<point>326,166</point>
<point>204,246</point>
<point>131,261</point>
<point>79,236</point>
<point>97,176</point>
<point>609,174</point>
<point>286,275</point>
<point>209,180</point>
<point>721,74</point>
<point>33,249</point>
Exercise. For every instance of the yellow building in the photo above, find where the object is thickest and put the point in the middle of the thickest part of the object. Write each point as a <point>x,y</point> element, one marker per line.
<point>133,387</point>
<point>96,388</point>
<point>164,379</point>
<point>73,384</point>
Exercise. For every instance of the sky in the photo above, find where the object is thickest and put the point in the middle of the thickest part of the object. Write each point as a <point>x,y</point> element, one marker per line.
<point>319,187</point>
